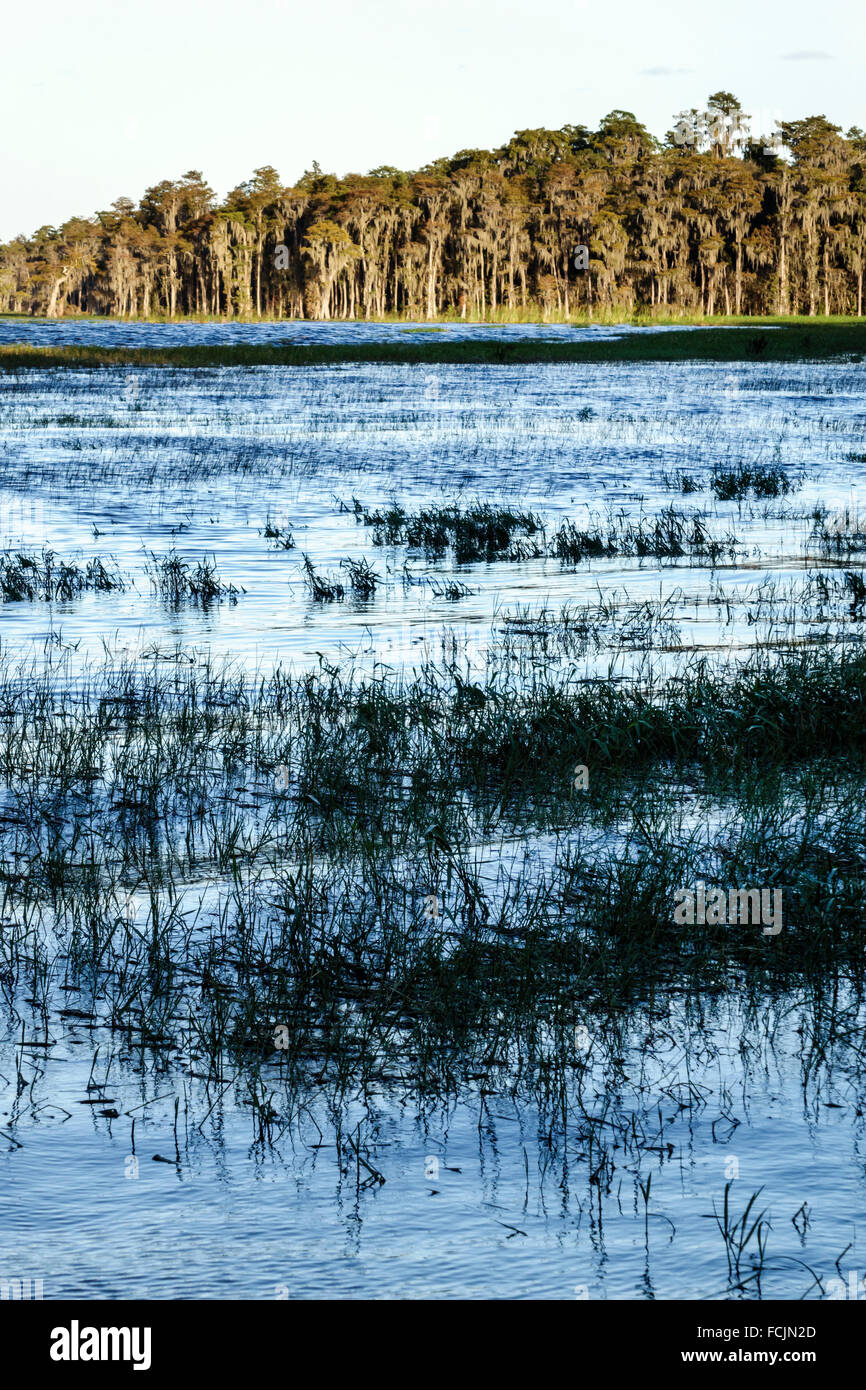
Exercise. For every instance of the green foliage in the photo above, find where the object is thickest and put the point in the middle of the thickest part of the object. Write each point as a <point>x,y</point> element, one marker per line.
<point>694,226</point>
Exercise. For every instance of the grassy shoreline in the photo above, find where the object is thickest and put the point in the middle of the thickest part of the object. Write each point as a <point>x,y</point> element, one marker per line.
<point>786,342</point>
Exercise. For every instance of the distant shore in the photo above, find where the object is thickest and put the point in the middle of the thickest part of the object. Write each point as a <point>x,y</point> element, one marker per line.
<point>789,340</point>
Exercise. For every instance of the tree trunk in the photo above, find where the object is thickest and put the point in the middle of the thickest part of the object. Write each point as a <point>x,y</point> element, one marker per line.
<point>51,311</point>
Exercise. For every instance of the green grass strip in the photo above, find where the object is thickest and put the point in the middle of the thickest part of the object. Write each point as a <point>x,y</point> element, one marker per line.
<point>799,341</point>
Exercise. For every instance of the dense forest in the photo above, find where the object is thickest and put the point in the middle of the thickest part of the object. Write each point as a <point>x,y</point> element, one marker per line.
<point>714,219</point>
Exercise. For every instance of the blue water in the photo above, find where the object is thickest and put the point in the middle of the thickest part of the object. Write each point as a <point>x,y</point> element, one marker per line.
<point>197,460</point>
<point>114,333</point>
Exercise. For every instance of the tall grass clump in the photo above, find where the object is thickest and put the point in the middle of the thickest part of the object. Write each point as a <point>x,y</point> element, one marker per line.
<point>750,480</point>
<point>838,535</point>
<point>478,532</point>
<point>670,535</point>
<point>176,581</point>
<point>319,587</point>
<point>281,537</point>
<point>44,576</point>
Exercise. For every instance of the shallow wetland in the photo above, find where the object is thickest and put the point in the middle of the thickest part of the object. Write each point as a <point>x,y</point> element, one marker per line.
<point>358,727</point>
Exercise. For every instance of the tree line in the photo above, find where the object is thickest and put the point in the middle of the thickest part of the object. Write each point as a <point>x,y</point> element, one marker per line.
<point>713,219</point>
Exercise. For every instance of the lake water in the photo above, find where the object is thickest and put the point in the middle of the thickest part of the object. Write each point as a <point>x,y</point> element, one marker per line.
<point>116,333</point>
<point>478,1199</point>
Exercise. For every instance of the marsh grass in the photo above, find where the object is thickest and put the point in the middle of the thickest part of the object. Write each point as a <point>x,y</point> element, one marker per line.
<point>49,579</point>
<point>371,765</point>
<point>739,1234</point>
<point>451,589</point>
<point>681,482</point>
<point>670,535</point>
<point>838,535</point>
<point>363,579</point>
<point>177,581</point>
<point>753,480</point>
<point>192,853</point>
<point>321,588</point>
<point>489,533</point>
<point>480,531</point>
<point>281,537</point>
<point>191,858</point>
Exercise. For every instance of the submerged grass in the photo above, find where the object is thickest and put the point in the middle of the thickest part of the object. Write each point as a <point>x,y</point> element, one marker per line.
<point>293,894</point>
<point>196,766</point>
<point>838,535</point>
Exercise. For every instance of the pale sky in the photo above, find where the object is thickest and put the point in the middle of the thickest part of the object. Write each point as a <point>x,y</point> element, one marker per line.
<point>99,99</point>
